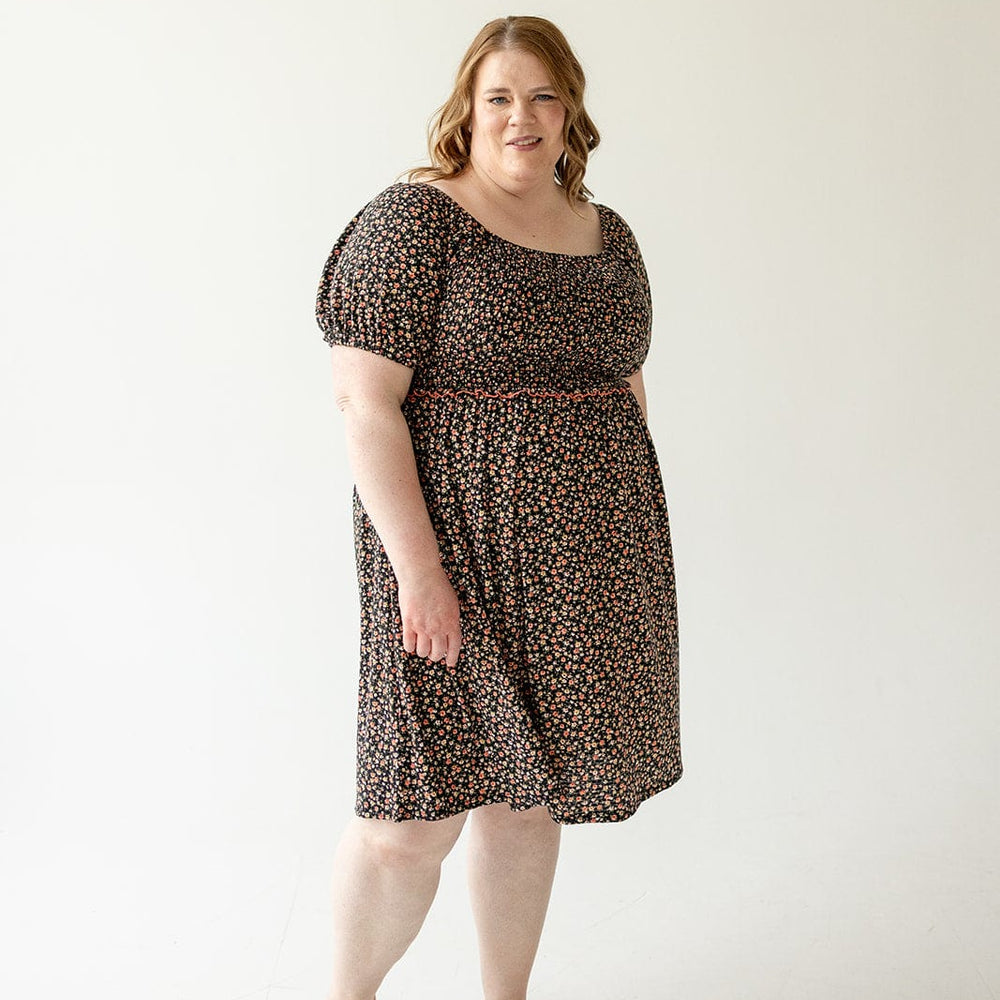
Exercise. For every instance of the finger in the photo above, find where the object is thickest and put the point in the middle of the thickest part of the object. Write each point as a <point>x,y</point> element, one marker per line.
<point>439,648</point>
<point>454,648</point>
<point>423,645</point>
<point>409,639</point>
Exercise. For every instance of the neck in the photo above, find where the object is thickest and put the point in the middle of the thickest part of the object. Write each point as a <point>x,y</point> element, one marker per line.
<point>537,196</point>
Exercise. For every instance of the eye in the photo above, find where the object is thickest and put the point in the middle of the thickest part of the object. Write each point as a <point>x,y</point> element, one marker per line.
<point>493,100</point>
<point>545,97</point>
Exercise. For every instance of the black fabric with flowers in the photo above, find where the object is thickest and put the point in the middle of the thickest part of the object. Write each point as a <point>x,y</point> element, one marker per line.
<point>546,496</point>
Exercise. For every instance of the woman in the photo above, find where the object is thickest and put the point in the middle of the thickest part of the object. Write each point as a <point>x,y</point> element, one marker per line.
<point>519,651</point>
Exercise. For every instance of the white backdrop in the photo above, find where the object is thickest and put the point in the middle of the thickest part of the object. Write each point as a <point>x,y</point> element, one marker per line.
<point>814,189</point>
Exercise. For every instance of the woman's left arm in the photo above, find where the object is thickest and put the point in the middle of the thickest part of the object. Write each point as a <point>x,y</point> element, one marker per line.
<point>639,390</point>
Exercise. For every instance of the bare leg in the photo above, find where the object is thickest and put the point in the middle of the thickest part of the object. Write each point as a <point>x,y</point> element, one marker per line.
<point>512,862</point>
<point>385,878</point>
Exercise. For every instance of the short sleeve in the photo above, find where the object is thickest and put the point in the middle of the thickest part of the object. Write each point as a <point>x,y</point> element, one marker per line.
<point>381,284</point>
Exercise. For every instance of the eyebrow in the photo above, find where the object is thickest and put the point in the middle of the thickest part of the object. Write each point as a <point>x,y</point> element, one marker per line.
<point>506,90</point>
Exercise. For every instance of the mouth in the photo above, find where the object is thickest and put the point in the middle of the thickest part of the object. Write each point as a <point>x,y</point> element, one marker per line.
<point>525,141</point>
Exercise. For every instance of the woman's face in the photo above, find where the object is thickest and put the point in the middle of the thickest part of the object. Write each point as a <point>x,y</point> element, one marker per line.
<point>513,99</point>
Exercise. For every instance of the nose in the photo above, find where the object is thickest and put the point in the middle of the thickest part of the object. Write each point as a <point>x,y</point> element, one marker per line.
<point>521,110</point>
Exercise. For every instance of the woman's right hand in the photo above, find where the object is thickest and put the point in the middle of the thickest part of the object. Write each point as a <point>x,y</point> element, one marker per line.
<point>428,606</point>
<point>370,391</point>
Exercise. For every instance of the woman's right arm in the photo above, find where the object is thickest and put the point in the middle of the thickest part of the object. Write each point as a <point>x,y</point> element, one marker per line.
<point>370,390</point>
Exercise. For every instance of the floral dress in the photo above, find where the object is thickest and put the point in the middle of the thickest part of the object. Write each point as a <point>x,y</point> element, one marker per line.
<point>545,493</point>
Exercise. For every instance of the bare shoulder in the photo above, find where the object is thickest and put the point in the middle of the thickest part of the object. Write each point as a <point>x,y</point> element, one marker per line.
<point>463,192</point>
<point>445,184</point>
<point>589,233</point>
<point>458,189</point>
<point>589,211</point>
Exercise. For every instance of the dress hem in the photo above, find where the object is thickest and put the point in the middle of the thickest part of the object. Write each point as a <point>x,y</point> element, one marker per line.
<point>563,819</point>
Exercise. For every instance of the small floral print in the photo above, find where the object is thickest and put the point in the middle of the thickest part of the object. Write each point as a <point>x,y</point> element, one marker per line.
<point>544,489</point>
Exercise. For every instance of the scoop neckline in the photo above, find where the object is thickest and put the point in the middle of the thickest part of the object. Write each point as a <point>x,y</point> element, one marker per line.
<point>520,246</point>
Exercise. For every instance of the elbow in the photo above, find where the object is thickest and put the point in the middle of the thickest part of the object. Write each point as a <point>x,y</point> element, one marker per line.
<point>367,385</point>
<point>365,406</point>
<point>351,395</point>
<point>364,383</point>
<point>343,399</point>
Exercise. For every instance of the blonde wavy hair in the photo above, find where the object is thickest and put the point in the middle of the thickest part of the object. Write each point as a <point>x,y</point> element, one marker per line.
<point>448,131</point>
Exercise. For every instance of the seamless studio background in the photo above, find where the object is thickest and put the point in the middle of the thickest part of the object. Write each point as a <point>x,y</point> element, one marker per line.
<point>814,190</point>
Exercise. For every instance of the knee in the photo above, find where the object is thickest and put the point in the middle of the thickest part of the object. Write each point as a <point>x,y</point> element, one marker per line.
<point>412,844</point>
<point>500,822</point>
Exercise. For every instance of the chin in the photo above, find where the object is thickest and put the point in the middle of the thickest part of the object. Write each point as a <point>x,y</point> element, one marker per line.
<point>516,172</point>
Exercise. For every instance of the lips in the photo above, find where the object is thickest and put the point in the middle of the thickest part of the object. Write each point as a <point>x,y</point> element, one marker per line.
<point>525,140</point>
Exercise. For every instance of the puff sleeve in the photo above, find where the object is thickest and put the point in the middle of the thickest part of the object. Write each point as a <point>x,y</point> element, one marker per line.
<point>381,284</point>
<point>638,289</point>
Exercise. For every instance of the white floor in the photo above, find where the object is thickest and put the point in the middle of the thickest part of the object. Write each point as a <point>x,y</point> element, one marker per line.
<point>788,906</point>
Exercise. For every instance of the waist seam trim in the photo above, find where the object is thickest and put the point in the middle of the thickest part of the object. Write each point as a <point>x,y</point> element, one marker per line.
<point>416,394</point>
